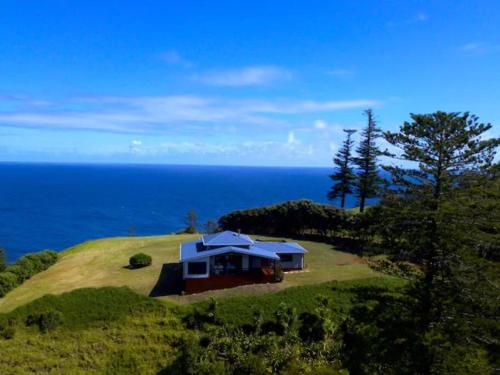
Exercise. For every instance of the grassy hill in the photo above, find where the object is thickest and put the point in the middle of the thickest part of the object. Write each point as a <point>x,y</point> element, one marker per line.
<point>102,263</point>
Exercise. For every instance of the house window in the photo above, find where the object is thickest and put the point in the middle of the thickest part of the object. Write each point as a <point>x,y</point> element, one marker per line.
<point>197,268</point>
<point>286,257</point>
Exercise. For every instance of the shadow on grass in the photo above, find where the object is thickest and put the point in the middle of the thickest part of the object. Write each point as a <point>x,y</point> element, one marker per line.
<point>169,282</point>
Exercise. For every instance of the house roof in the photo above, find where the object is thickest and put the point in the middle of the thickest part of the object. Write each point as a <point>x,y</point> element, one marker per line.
<point>191,251</point>
<point>281,247</point>
<point>231,242</point>
<point>226,238</point>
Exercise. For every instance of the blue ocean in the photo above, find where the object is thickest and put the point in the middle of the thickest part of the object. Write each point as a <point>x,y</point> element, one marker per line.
<point>54,206</point>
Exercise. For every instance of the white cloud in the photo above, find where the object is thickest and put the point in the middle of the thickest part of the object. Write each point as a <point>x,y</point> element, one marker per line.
<point>166,113</point>
<point>419,17</point>
<point>245,76</point>
<point>320,124</point>
<point>174,57</point>
<point>135,146</point>
<point>291,138</point>
<point>478,48</point>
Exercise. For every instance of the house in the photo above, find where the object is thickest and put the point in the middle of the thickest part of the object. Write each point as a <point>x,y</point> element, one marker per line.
<point>228,259</point>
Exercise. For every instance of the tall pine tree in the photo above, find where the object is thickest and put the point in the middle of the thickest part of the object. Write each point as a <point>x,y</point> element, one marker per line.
<point>3,262</point>
<point>367,181</point>
<point>345,176</point>
<point>446,147</point>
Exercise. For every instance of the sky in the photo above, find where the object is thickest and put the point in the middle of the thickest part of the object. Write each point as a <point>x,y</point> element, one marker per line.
<point>267,83</point>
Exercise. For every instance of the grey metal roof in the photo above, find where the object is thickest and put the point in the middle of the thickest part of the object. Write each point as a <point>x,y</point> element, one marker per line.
<point>189,251</point>
<point>281,247</point>
<point>197,249</point>
<point>226,238</point>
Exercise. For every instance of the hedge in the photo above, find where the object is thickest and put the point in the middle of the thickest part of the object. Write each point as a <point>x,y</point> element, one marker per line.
<point>25,268</point>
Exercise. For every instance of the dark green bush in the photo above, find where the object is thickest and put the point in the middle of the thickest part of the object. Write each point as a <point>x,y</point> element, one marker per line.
<point>292,218</point>
<point>7,333</point>
<point>7,329</point>
<point>278,274</point>
<point>140,260</point>
<point>8,281</point>
<point>3,261</point>
<point>83,307</point>
<point>24,268</point>
<point>46,321</point>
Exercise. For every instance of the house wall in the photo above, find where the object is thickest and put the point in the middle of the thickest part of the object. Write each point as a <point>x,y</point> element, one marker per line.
<point>255,262</point>
<point>297,262</point>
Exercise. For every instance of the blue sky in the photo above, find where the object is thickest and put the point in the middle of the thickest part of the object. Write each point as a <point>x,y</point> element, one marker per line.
<point>222,82</point>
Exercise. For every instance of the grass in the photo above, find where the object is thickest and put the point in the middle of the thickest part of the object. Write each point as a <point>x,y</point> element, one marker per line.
<point>117,331</point>
<point>83,307</point>
<point>102,263</point>
<point>240,310</point>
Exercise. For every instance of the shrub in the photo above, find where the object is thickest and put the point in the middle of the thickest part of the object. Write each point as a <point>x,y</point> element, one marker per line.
<point>140,260</point>
<point>278,274</point>
<point>81,308</point>
<point>3,262</point>
<point>7,333</point>
<point>46,321</point>
<point>8,281</point>
<point>24,268</point>
<point>290,218</point>
<point>7,330</point>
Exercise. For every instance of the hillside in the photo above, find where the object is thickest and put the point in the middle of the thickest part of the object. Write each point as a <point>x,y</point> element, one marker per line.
<point>102,263</point>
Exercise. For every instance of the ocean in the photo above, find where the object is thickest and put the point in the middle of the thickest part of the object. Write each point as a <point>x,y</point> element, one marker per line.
<point>54,206</point>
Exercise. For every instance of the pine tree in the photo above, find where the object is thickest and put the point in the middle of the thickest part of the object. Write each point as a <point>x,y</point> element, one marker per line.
<point>444,145</point>
<point>3,262</point>
<point>345,176</point>
<point>191,221</point>
<point>368,181</point>
<point>448,148</point>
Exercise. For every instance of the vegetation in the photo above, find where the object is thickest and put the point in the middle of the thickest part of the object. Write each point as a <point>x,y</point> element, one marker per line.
<point>3,261</point>
<point>96,331</point>
<point>345,175</point>
<point>437,230</point>
<point>211,227</point>
<point>368,181</point>
<point>291,219</point>
<point>140,260</point>
<point>25,268</point>
<point>100,263</point>
<point>191,222</point>
<point>114,330</point>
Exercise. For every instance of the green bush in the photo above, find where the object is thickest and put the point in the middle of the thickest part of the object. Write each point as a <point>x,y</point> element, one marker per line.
<point>278,274</point>
<point>140,260</point>
<point>7,333</point>
<point>81,308</point>
<point>46,321</point>
<point>25,268</point>
<point>7,329</point>
<point>8,281</point>
<point>3,261</point>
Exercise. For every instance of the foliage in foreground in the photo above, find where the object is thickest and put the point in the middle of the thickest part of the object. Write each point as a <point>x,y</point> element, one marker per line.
<point>83,307</point>
<point>27,266</point>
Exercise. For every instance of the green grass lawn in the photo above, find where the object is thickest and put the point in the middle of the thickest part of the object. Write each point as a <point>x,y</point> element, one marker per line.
<point>102,263</point>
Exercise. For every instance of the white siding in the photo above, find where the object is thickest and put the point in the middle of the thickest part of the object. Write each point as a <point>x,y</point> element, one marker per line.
<point>296,262</point>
